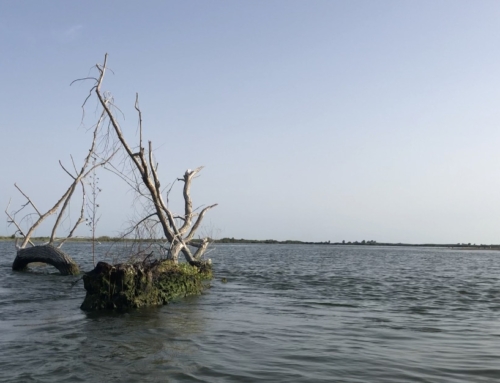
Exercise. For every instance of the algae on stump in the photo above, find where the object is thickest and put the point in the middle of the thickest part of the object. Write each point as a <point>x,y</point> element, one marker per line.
<point>140,284</point>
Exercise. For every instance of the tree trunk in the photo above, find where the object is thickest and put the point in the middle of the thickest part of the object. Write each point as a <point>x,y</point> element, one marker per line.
<point>46,254</point>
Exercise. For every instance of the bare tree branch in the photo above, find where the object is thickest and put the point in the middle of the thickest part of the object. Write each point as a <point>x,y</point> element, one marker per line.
<point>188,204</point>
<point>80,220</point>
<point>198,222</point>
<point>140,118</point>
<point>13,221</point>
<point>67,172</point>
<point>28,198</point>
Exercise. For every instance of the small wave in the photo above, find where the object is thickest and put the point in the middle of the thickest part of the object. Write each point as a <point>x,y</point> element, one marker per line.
<point>425,329</point>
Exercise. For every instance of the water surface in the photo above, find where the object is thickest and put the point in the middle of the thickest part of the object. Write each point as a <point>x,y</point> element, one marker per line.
<point>289,313</point>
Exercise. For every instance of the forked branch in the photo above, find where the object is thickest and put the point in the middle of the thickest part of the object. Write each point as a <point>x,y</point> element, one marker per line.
<point>143,163</point>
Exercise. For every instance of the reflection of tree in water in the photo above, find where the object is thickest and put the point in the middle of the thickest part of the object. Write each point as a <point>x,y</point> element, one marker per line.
<point>142,345</point>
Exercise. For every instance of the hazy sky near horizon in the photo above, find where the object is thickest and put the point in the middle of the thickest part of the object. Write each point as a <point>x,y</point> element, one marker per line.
<point>315,120</point>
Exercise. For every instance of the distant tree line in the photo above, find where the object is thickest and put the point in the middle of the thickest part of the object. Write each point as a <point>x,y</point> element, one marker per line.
<point>267,241</point>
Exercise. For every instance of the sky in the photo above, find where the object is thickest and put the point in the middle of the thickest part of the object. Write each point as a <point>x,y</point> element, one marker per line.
<point>315,120</point>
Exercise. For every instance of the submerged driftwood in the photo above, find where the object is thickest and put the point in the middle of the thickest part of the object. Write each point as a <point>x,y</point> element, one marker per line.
<point>125,286</point>
<point>45,254</point>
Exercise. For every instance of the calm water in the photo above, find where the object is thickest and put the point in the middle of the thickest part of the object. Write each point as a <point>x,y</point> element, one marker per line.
<point>287,314</point>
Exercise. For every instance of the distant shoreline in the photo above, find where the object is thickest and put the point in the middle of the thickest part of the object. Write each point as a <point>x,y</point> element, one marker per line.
<point>454,246</point>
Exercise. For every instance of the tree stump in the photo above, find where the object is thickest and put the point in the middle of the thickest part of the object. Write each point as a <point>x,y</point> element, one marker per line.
<point>46,254</point>
<point>133,285</point>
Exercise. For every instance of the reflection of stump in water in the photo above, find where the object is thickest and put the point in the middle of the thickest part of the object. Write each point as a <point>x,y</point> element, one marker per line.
<point>140,284</point>
<point>46,254</point>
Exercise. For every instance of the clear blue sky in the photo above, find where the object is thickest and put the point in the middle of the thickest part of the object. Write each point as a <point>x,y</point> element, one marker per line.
<point>316,120</point>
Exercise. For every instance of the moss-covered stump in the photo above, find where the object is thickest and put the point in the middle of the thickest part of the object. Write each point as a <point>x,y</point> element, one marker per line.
<point>124,286</point>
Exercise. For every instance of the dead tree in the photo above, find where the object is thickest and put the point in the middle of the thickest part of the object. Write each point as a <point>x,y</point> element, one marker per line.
<point>179,230</point>
<point>49,253</point>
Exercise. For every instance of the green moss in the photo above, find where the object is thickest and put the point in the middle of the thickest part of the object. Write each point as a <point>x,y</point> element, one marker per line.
<point>127,286</point>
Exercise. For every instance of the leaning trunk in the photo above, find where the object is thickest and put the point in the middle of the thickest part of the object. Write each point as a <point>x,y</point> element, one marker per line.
<point>175,249</point>
<point>46,254</point>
